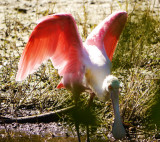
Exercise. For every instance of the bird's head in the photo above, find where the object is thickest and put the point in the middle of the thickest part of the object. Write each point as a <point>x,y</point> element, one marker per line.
<point>111,86</point>
<point>111,82</point>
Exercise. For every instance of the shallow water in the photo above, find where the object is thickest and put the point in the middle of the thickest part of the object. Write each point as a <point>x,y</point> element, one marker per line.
<point>12,136</point>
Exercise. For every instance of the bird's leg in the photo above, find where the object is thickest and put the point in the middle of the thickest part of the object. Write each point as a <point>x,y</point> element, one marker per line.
<point>87,129</point>
<point>92,95</point>
<point>76,98</point>
<point>77,129</point>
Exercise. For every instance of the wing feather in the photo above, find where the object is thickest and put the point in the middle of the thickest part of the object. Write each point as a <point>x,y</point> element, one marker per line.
<point>107,33</point>
<point>55,37</point>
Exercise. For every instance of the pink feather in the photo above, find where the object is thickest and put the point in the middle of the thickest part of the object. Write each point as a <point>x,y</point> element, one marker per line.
<point>55,37</point>
<point>107,32</point>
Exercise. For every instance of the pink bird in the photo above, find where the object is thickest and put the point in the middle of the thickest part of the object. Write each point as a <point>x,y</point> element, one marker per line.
<point>82,66</point>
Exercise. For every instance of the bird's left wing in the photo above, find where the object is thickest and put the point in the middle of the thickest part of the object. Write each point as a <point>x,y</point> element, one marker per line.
<point>55,37</point>
<point>107,33</point>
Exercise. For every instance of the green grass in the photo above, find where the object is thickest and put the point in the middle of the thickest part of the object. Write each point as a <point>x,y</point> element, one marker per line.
<point>136,63</point>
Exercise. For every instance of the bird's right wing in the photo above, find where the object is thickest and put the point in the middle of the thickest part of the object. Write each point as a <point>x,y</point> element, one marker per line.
<point>55,37</point>
<point>107,33</point>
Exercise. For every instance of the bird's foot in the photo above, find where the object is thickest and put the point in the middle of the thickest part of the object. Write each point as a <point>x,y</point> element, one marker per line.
<point>87,140</point>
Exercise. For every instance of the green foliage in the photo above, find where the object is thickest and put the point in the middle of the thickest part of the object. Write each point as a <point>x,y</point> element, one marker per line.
<point>152,121</point>
<point>137,45</point>
<point>136,63</point>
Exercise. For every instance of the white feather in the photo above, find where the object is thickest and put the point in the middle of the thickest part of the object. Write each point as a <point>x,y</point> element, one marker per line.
<point>98,67</point>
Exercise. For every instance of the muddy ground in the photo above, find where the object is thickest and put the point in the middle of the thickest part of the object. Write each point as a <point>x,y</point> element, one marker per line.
<point>26,13</point>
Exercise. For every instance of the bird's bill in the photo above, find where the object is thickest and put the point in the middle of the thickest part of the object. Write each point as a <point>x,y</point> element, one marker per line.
<point>115,101</point>
<point>118,128</point>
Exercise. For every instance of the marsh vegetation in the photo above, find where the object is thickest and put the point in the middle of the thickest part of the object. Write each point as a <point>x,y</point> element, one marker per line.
<point>136,63</point>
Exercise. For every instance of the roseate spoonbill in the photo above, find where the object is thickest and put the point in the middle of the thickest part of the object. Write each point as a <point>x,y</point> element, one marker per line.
<point>82,66</point>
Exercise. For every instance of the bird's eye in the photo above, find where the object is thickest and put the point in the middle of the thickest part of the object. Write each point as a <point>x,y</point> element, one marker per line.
<point>109,87</point>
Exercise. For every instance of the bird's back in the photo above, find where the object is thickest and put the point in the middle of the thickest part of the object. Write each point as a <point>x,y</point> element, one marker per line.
<point>97,67</point>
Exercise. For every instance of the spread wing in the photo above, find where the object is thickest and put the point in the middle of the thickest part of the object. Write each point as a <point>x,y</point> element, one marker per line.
<point>55,37</point>
<point>107,33</point>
